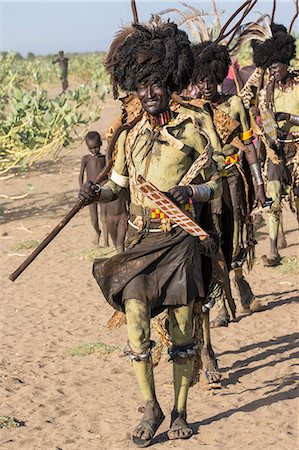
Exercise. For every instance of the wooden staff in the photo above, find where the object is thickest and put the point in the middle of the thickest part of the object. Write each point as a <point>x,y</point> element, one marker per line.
<point>216,14</point>
<point>134,10</point>
<point>80,203</point>
<point>273,11</point>
<point>295,16</point>
<point>248,7</point>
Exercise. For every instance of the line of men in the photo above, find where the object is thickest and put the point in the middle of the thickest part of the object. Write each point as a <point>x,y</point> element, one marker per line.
<point>206,140</point>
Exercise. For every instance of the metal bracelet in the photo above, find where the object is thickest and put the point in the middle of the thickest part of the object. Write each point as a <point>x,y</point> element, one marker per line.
<point>144,356</point>
<point>201,192</point>
<point>182,351</point>
<point>294,119</point>
<point>257,174</point>
<point>98,188</point>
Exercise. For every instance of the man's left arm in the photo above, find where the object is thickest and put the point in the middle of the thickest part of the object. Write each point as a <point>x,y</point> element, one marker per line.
<point>246,137</point>
<point>292,118</point>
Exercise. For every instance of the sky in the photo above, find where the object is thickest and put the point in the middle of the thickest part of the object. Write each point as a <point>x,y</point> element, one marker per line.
<point>45,27</point>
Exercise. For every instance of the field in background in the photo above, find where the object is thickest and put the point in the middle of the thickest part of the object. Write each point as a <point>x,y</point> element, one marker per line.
<point>37,122</point>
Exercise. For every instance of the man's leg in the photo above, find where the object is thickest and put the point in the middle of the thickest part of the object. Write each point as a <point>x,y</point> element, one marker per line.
<point>297,208</point>
<point>104,215</point>
<point>182,353</point>
<point>281,240</point>
<point>217,294</point>
<point>243,288</point>
<point>244,291</point>
<point>139,351</point>
<point>274,191</point>
<point>64,83</point>
<point>93,209</point>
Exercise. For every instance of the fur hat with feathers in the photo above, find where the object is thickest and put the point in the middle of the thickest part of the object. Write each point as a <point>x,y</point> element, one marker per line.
<point>279,48</point>
<point>211,61</point>
<point>150,52</point>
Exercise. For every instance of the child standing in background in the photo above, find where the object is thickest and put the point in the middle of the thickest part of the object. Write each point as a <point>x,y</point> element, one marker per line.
<point>113,215</point>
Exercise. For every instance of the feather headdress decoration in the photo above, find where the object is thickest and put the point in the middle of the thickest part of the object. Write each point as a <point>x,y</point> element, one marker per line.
<point>150,52</point>
<point>212,59</point>
<point>271,42</point>
<point>200,32</point>
<point>258,31</point>
<point>192,19</point>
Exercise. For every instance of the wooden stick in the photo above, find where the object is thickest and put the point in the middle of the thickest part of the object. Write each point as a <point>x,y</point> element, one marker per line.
<point>248,7</point>
<point>216,14</point>
<point>273,11</point>
<point>295,16</point>
<point>134,10</point>
<point>229,21</point>
<point>80,203</point>
<point>236,28</point>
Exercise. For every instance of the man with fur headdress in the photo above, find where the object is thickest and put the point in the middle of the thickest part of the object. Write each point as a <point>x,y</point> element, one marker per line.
<point>162,266</point>
<point>279,108</point>
<point>211,67</point>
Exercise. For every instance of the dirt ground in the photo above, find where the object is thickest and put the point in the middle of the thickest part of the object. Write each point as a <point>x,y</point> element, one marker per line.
<point>70,400</point>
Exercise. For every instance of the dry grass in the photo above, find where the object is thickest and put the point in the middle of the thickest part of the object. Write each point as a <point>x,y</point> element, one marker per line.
<point>10,422</point>
<point>89,348</point>
<point>288,265</point>
<point>25,245</point>
<point>93,253</point>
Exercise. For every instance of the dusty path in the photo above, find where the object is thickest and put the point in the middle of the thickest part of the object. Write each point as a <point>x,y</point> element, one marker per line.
<point>90,402</point>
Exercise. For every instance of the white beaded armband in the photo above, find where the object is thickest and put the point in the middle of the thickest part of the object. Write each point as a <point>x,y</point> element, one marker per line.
<point>121,180</point>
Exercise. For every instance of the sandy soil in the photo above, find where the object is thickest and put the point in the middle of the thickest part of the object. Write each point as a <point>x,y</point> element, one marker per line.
<point>91,402</point>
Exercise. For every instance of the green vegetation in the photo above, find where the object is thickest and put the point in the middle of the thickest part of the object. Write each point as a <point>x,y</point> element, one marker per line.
<point>10,422</point>
<point>288,265</point>
<point>91,254</point>
<point>88,349</point>
<point>25,245</point>
<point>34,125</point>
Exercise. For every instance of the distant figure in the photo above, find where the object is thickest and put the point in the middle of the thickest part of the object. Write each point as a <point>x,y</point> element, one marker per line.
<point>113,215</point>
<point>63,65</point>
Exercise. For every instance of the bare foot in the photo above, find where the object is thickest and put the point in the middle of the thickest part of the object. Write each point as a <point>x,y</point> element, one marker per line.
<point>281,241</point>
<point>244,291</point>
<point>221,320</point>
<point>272,261</point>
<point>210,366</point>
<point>256,306</point>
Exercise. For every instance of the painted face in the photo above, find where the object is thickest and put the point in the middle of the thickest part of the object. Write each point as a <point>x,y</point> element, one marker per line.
<point>279,71</point>
<point>153,96</point>
<point>94,146</point>
<point>208,89</point>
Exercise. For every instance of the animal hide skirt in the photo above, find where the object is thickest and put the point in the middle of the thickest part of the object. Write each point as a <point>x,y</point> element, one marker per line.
<point>160,268</point>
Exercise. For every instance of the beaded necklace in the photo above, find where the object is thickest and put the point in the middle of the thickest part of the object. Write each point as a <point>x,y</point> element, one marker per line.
<point>164,118</point>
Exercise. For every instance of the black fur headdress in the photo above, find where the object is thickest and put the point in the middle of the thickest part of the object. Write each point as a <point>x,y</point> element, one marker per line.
<point>279,48</point>
<point>212,61</point>
<point>147,52</point>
